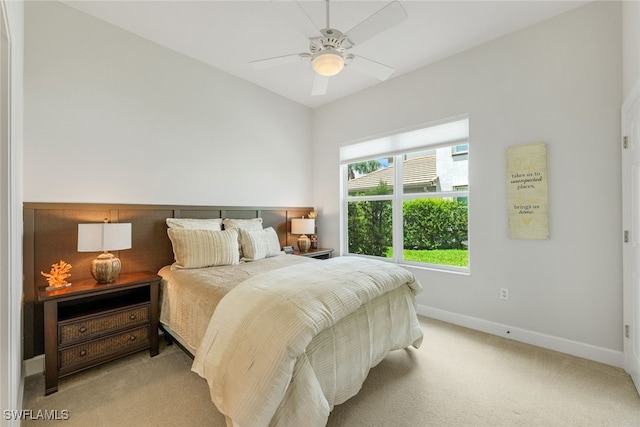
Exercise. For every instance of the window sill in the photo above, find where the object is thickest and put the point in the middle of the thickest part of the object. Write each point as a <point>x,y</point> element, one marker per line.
<point>421,266</point>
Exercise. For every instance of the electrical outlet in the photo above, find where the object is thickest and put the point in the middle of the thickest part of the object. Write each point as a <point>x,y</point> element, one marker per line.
<point>504,293</point>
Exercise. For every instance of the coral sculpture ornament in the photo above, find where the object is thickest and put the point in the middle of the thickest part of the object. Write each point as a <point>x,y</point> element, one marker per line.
<point>56,278</point>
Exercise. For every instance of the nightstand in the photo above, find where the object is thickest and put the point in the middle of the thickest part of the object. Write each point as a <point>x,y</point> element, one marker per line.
<point>87,324</point>
<point>316,253</point>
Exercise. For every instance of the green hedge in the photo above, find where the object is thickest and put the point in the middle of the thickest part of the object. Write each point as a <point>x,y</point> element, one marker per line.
<point>428,224</point>
<point>434,224</point>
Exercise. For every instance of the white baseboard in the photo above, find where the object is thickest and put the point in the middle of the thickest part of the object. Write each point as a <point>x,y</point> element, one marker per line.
<point>33,366</point>
<point>587,351</point>
<point>563,345</point>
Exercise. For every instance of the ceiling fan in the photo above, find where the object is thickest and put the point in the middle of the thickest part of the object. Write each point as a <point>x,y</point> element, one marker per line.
<point>328,53</point>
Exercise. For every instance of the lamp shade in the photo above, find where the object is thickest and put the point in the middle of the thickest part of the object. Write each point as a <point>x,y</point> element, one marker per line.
<point>303,226</point>
<point>328,63</point>
<point>101,237</point>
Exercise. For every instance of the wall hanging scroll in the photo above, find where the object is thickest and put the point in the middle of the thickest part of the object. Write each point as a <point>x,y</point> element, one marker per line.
<point>527,191</point>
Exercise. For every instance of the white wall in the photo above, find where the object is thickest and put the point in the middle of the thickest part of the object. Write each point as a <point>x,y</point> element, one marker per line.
<point>112,117</point>
<point>631,45</point>
<point>453,169</point>
<point>560,82</point>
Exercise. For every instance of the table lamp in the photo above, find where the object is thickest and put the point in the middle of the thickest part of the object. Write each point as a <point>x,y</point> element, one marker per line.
<point>104,237</point>
<point>303,226</point>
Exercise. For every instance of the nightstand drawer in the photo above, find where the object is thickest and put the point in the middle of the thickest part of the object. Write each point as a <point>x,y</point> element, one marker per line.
<point>90,350</point>
<point>79,330</point>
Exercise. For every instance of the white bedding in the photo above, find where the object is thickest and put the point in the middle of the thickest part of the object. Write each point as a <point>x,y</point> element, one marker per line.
<point>189,296</point>
<point>284,347</point>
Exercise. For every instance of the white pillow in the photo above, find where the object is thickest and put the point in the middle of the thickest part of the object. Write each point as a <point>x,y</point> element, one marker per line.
<point>203,248</point>
<point>195,223</point>
<point>259,244</point>
<point>246,224</point>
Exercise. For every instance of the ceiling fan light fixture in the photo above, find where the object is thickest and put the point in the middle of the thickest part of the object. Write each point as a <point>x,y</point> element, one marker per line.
<point>328,63</point>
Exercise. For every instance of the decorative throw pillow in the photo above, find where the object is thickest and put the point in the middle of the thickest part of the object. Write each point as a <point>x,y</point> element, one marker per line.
<point>203,248</point>
<point>242,224</point>
<point>259,244</point>
<point>195,223</point>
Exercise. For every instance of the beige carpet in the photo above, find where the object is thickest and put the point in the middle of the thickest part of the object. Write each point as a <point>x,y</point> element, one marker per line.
<point>458,377</point>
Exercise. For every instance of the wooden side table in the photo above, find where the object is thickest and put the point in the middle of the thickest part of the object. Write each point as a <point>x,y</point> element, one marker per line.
<point>87,324</point>
<point>316,253</point>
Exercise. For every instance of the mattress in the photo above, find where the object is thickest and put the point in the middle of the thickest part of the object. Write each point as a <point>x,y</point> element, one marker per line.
<point>188,297</point>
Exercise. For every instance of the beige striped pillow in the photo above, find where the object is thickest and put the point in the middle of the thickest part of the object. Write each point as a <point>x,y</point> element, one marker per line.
<point>259,244</point>
<point>244,224</point>
<point>203,248</point>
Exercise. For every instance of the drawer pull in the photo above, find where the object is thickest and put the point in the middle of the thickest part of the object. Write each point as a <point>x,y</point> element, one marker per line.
<point>133,316</point>
<point>83,353</point>
<point>82,329</point>
<point>132,338</point>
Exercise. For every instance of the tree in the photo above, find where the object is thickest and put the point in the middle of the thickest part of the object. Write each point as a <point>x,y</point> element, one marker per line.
<point>362,168</point>
<point>370,231</point>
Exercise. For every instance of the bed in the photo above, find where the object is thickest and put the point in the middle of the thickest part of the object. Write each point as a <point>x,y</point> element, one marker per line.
<point>281,339</point>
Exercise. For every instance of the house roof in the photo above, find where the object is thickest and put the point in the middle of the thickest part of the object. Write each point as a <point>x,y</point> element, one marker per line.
<point>417,171</point>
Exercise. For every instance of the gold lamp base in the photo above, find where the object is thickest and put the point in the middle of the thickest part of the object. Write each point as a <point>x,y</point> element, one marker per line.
<point>304,243</point>
<point>105,268</point>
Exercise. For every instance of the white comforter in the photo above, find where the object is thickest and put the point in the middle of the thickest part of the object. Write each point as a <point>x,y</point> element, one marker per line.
<point>284,347</point>
<point>190,295</point>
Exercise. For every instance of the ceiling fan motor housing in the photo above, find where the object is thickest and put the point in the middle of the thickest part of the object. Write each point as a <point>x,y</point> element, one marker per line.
<point>332,40</point>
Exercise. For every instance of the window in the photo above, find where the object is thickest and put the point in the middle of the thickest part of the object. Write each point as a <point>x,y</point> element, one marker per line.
<point>463,200</point>
<point>406,196</point>
<point>460,149</point>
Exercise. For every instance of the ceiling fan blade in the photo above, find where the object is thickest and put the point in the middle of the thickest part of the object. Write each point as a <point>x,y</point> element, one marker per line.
<point>278,60</point>
<point>309,22</point>
<point>320,84</point>
<point>292,14</point>
<point>370,68</point>
<point>385,18</point>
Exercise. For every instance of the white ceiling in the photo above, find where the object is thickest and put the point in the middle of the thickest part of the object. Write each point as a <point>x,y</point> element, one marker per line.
<point>230,34</point>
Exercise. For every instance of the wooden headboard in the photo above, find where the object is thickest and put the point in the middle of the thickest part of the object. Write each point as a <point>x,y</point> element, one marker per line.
<point>51,233</point>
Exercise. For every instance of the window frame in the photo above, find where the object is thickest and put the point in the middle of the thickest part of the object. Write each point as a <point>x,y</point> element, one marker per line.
<point>397,199</point>
<point>456,152</point>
